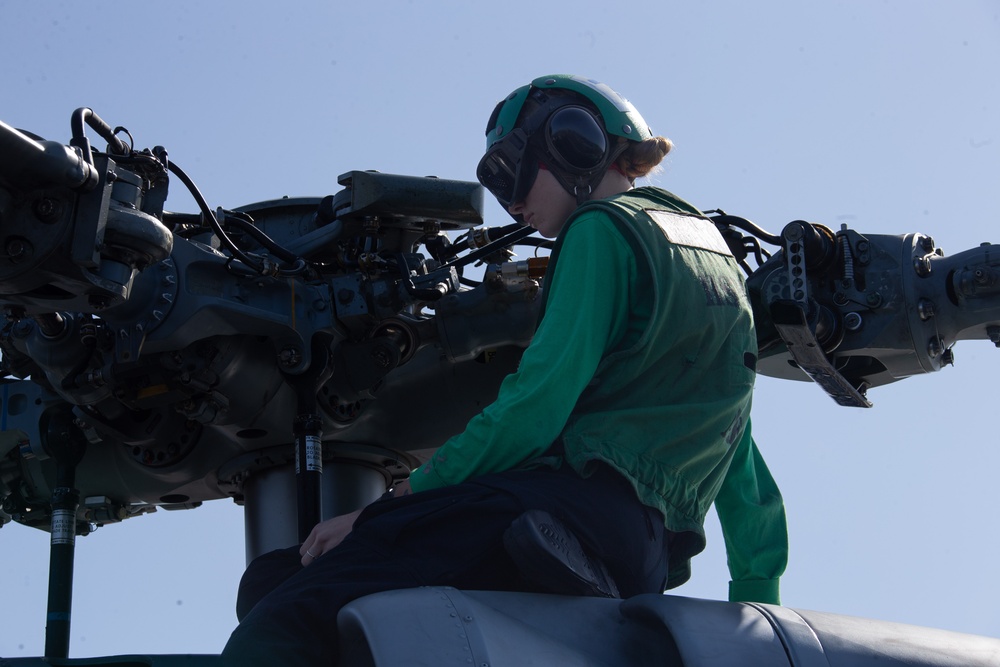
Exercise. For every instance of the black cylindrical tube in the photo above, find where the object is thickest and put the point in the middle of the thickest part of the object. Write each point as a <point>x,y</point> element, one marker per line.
<point>65,501</point>
<point>308,430</point>
<point>26,161</point>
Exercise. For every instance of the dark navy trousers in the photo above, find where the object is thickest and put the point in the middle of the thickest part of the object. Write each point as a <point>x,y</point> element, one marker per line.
<point>451,536</point>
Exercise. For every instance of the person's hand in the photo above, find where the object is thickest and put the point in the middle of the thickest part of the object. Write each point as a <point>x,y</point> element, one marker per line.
<point>326,535</point>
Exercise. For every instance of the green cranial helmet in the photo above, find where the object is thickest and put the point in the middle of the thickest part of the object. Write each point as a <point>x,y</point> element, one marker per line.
<point>567,123</point>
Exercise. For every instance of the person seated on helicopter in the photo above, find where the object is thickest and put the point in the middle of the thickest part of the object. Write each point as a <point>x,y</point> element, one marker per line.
<point>629,415</point>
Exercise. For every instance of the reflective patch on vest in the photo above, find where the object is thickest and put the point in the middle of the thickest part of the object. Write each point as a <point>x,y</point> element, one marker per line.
<point>721,289</point>
<point>690,231</point>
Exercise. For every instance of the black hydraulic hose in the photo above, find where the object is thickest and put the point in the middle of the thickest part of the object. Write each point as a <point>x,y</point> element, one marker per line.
<point>258,235</point>
<point>463,244</point>
<point>210,216</point>
<point>84,115</point>
<point>299,264</point>
<point>748,226</point>
<point>744,224</point>
<point>491,248</point>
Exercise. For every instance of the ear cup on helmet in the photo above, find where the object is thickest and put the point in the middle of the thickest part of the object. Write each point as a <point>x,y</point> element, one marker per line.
<point>576,139</point>
<point>558,128</point>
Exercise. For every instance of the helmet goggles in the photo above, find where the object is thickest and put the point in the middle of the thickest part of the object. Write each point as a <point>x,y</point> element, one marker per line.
<point>508,169</point>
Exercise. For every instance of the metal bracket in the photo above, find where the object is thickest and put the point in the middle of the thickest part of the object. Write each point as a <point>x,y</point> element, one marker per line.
<point>793,327</point>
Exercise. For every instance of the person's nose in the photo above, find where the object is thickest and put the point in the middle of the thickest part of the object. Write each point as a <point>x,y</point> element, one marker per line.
<point>516,208</point>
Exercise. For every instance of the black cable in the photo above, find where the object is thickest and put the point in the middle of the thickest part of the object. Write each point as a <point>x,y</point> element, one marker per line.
<point>260,267</point>
<point>131,140</point>
<point>78,131</point>
<point>245,223</point>
<point>206,211</point>
<point>720,216</point>
<point>751,245</point>
<point>462,243</point>
<point>491,247</point>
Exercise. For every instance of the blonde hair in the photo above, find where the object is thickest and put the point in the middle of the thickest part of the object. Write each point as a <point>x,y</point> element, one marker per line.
<point>641,158</point>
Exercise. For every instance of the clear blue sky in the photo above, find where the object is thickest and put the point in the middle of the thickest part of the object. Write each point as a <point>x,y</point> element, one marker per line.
<point>882,115</point>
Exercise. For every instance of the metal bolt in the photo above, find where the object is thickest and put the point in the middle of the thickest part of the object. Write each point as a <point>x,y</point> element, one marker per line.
<point>48,210</point>
<point>23,328</point>
<point>18,250</point>
<point>290,356</point>
<point>793,232</point>
<point>381,357</point>
<point>852,321</point>
<point>925,309</point>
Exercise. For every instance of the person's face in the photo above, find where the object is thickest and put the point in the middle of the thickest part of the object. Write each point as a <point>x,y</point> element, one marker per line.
<point>547,205</point>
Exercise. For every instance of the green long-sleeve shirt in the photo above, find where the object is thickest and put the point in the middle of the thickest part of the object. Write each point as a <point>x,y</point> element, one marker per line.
<point>599,301</point>
<point>585,317</point>
<point>752,516</point>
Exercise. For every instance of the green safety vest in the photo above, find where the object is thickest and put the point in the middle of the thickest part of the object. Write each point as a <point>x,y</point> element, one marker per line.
<point>667,408</point>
